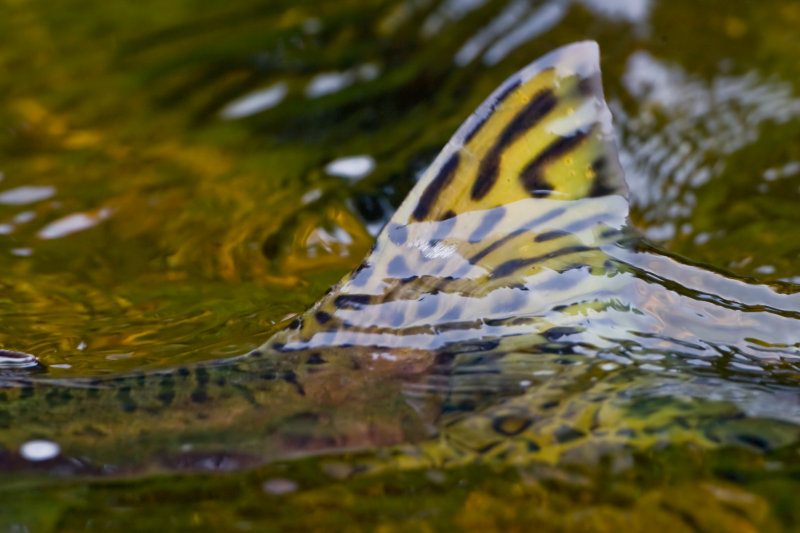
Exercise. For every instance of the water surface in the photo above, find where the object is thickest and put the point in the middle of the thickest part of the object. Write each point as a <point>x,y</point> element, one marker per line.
<point>180,181</point>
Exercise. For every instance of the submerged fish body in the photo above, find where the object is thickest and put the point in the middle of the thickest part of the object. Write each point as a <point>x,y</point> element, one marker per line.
<point>506,311</point>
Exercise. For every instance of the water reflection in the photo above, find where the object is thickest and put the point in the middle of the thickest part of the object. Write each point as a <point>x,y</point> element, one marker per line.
<point>328,82</point>
<point>353,167</point>
<point>540,21</point>
<point>520,22</point>
<point>446,12</point>
<point>73,223</point>
<point>24,217</point>
<point>705,124</point>
<point>39,450</point>
<point>27,194</point>
<point>499,25</point>
<point>634,11</point>
<point>256,102</point>
<point>789,169</point>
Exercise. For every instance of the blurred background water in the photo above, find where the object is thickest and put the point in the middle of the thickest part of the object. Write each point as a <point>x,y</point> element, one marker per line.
<point>178,180</point>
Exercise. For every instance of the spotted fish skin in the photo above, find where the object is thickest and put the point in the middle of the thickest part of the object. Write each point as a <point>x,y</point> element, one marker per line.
<point>245,411</point>
<point>506,312</point>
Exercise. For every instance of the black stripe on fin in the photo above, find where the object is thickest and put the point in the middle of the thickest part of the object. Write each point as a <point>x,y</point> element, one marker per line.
<point>538,108</point>
<point>531,175</point>
<point>489,221</point>
<point>513,86</point>
<point>549,215</point>
<point>603,184</point>
<point>512,265</point>
<point>351,301</point>
<point>431,194</point>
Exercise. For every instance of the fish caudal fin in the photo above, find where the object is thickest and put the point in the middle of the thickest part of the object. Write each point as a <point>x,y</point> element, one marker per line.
<point>544,133</point>
<point>528,188</point>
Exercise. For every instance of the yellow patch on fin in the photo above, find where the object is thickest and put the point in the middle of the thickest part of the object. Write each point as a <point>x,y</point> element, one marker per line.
<point>544,133</point>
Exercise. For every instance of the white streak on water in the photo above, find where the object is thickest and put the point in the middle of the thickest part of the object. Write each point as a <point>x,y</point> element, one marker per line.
<point>635,11</point>
<point>499,25</point>
<point>311,196</point>
<point>368,71</point>
<point>24,217</point>
<point>328,83</point>
<point>448,11</point>
<point>255,102</point>
<point>540,21</point>
<point>26,194</point>
<point>353,167</point>
<point>72,224</point>
<point>660,159</point>
<point>39,450</point>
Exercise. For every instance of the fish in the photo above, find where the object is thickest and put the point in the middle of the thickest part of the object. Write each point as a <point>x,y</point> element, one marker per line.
<point>508,311</point>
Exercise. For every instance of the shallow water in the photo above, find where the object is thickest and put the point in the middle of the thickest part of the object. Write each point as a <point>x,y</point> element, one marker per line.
<point>178,182</point>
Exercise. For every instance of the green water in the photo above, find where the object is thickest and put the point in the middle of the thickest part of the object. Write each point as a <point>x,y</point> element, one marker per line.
<point>207,232</point>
